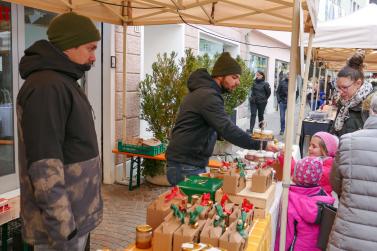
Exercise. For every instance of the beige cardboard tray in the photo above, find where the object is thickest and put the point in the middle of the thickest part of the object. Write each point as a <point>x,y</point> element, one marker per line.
<point>259,200</point>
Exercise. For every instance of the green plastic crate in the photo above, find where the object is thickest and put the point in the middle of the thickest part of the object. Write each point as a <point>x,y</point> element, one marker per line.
<point>200,185</point>
<point>144,150</point>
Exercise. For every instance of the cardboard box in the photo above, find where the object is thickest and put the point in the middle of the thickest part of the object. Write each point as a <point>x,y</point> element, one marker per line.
<point>186,233</point>
<point>163,234</point>
<point>233,183</point>
<point>232,239</point>
<point>237,213</point>
<point>261,180</point>
<point>278,168</point>
<point>211,234</point>
<point>259,200</point>
<point>160,208</point>
<point>199,185</point>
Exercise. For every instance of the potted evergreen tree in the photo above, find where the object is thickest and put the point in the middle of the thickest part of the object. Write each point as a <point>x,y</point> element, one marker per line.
<point>161,94</point>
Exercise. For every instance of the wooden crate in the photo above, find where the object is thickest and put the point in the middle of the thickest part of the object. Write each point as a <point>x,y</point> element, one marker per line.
<point>260,213</point>
<point>261,201</point>
<point>13,213</point>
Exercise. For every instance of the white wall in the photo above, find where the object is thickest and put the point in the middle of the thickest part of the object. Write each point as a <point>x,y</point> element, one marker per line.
<point>159,39</point>
<point>108,104</point>
<point>258,38</point>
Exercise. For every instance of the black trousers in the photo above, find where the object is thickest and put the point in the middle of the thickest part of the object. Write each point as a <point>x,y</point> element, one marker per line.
<point>254,108</point>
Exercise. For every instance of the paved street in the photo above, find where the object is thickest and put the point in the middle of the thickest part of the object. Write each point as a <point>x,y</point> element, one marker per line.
<point>123,211</point>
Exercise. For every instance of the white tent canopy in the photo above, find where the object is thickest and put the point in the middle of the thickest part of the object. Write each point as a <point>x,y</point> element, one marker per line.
<point>357,30</point>
<point>256,14</point>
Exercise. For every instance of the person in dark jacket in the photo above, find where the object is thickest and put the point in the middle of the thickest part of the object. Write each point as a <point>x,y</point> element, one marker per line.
<point>282,96</point>
<point>60,170</point>
<point>201,117</point>
<point>353,93</point>
<point>260,92</point>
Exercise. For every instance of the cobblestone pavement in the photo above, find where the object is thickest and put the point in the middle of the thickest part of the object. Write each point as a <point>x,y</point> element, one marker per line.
<point>123,211</point>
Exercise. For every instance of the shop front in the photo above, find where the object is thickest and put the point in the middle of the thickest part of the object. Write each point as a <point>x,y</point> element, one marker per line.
<point>20,27</point>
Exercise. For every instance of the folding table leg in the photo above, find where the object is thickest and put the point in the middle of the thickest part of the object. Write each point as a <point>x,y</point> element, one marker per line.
<point>4,237</point>
<point>138,171</point>
<point>130,187</point>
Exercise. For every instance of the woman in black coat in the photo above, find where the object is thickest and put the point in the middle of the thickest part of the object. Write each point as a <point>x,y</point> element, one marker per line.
<point>260,92</point>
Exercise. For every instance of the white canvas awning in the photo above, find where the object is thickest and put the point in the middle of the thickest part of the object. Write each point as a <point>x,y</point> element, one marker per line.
<point>257,14</point>
<point>357,30</point>
<point>335,41</point>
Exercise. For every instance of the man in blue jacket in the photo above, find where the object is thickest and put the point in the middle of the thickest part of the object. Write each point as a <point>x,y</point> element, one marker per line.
<point>201,117</point>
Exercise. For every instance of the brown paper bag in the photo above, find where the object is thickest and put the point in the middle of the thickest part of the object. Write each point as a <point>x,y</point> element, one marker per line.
<point>234,182</point>
<point>211,234</point>
<point>187,233</point>
<point>261,180</point>
<point>232,239</point>
<point>163,234</point>
<point>237,213</point>
<point>160,208</point>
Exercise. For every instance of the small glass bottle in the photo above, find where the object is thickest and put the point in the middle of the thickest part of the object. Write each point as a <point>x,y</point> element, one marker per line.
<point>143,236</point>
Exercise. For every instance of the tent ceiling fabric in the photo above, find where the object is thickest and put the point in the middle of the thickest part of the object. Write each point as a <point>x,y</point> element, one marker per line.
<point>335,58</point>
<point>257,14</point>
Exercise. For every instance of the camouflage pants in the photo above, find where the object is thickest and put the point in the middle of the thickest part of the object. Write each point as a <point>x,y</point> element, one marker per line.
<point>79,246</point>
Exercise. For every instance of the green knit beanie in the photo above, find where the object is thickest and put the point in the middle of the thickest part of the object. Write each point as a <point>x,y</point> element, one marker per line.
<point>226,65</point>
<point>70,30</point>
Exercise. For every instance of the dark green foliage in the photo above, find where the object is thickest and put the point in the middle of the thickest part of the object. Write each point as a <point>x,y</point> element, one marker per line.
<point>162,93</point>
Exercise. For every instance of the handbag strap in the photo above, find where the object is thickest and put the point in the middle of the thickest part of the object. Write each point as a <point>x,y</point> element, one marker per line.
<point>292,246</point>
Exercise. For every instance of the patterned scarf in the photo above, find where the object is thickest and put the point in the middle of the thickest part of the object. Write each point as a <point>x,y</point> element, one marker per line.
<point>360,95</point>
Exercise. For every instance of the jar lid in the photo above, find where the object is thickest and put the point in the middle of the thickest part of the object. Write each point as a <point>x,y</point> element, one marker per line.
<point>143,228</point>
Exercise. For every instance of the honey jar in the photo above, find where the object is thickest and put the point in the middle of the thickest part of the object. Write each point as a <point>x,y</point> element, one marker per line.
<point>143,236</point>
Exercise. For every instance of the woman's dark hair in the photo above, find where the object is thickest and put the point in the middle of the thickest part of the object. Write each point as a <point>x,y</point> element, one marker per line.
<point>354,67</point>
<point>262,73</point>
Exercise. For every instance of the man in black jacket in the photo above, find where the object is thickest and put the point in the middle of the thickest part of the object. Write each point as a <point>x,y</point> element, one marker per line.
<point>60,170</point>
<point>202,117</point>
<point>282,96</point>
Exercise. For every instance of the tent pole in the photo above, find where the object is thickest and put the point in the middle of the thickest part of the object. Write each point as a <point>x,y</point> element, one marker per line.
<point>305,86</point>
<point>290,118</point>
<point>124,81</point>
<point>325,82</point>
<point>314,81</point>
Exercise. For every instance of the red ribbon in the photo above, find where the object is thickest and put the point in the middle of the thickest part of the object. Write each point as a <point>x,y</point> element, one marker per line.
<point>247,206</point>
<point>224,199</point>
<point>205,199</point>
<point>267,163</point>
<point>226,164</point>
<point>174,193</point>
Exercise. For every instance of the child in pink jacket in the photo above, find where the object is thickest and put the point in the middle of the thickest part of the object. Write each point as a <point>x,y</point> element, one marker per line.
<point>303,210</point>
<point>324,145</point>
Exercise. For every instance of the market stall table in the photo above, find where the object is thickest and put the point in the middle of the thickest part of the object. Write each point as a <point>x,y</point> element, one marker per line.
<point>13,198</point>
<point>136,159</point>
<point>259,238</point>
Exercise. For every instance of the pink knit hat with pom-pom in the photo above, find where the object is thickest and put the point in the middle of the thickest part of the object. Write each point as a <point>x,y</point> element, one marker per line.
<point>308,171</point>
